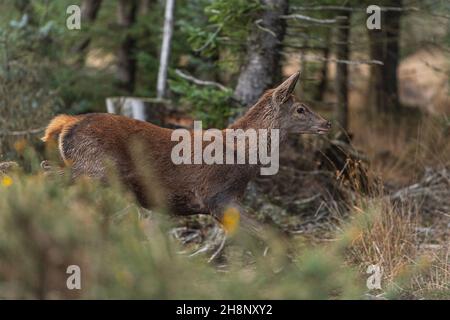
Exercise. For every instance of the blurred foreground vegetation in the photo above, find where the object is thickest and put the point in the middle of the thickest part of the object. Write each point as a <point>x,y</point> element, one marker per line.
<point>336,230</point>
<point>48,224</point>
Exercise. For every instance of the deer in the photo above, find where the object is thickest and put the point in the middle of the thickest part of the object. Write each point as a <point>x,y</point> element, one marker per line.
<point>85,142</point>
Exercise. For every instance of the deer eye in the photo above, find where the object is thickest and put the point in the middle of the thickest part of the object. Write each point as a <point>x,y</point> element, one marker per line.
<point>301,110</point>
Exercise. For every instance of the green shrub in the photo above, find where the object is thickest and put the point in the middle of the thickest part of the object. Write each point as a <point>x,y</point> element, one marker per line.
<point>210,105</point>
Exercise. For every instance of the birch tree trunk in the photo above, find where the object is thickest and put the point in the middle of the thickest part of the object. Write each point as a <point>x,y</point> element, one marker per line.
<point>263,53</point>
<point>126,61</point>
<point>145,109</point>
<point>127,106</point>
<point>165,49</point>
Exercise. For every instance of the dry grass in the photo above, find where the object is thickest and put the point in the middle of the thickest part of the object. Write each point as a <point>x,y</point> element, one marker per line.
<point>400,148</point>
<point>434,281</point>
<point>404,226</point>
<point>391,236</point>
<point>383,235</point>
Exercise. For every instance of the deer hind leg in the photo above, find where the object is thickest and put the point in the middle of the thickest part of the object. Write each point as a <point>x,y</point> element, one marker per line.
<point>82,154</point>
<point>51,168</point>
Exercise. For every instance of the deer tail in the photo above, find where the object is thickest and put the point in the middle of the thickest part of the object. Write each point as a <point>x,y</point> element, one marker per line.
<point>57,125</point>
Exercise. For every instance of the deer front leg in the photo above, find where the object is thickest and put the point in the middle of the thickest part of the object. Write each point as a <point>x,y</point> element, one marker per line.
<point>233,216</point>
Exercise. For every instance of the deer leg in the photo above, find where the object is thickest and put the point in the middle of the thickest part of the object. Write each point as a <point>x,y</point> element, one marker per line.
<point>266,235</point>
<point>233,215</point>
<point>51,168</point>
<point>214,244</point>
<point>218,252</point>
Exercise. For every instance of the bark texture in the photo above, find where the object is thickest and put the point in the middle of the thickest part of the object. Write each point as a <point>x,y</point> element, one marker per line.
<point>392,56</point>
<point>377,97</point>
<point>322,86</point>
<point>342,53</point>
<point>126,61</point>
<point>89,13</point>
<point>384,46</point>
<point>263,53</point>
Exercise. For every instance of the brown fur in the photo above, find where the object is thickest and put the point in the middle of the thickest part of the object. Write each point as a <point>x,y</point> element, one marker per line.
<point>189,189</point>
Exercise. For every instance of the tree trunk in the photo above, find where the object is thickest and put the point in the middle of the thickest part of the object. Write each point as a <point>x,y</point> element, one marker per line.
<point>165,49</point>
<point>384,46</point>
<point>377,99</point>
<point>301,87</point>
<point>126,61</point>
<point>89,13</point>
<point>322,87</point>
<point>392,56</point>
<point>342,53</point>
<point>145,6</point>
<point>263,53</point>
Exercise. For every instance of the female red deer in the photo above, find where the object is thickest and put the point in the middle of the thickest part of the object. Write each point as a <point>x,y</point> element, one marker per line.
<point>86,141</point>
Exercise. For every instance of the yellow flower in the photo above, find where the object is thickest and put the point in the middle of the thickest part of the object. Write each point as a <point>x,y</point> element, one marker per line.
<point>230,220</point>
<point>6,181</point>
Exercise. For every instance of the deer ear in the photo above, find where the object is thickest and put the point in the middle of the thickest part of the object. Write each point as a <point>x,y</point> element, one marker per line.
<point>284,90</point>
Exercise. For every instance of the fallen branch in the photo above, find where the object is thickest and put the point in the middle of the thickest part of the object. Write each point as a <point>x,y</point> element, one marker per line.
<point>431,193</point>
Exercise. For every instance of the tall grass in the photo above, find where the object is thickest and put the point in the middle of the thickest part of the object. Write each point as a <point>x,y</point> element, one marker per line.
<point>401,147</point>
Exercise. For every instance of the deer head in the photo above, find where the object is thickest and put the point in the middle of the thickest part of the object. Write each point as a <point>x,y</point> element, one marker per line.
<point>295,116</point>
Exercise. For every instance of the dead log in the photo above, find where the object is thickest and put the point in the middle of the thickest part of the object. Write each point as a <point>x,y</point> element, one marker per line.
<point>156,111</point>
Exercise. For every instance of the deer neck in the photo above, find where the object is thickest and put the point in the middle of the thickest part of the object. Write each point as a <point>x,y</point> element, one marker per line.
<point>261,116</point>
